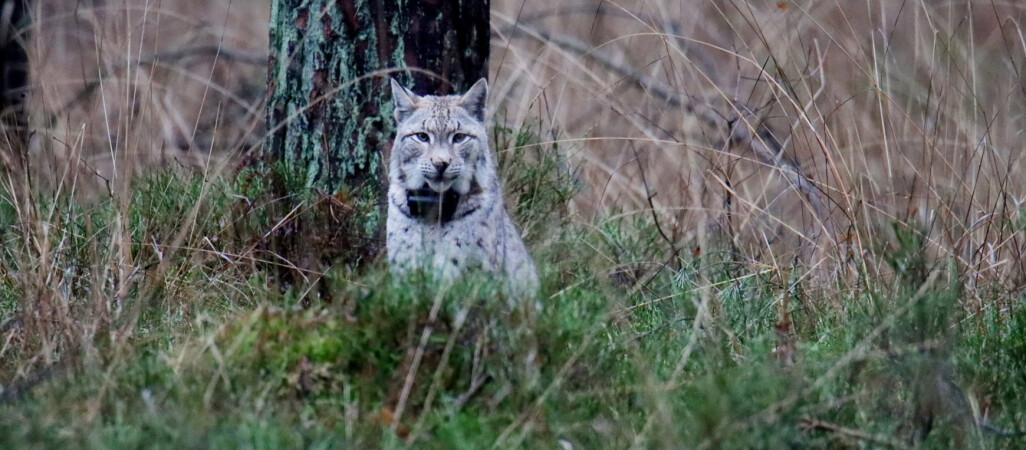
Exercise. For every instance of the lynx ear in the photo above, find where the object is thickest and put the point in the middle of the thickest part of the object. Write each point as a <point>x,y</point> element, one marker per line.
<point>404,100</point>
<point>474,100</point>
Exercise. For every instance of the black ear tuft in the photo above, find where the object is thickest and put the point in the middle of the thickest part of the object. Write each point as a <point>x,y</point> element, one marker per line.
<point>474,100</point>
<point>403,101</point>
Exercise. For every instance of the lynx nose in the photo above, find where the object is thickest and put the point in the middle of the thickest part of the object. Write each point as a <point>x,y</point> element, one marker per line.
<point>440,165</point>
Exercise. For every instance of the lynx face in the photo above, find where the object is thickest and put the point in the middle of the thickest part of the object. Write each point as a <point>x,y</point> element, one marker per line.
<point>440,141</point>
<point>445,209</point>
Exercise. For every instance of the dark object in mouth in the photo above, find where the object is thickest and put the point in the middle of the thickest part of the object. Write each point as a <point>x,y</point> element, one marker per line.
<point>432,206</point>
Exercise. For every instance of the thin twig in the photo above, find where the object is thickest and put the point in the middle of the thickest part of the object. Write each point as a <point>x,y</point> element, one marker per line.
<point>749,136</point>
<point>247,57</point>
<point>816,424</point>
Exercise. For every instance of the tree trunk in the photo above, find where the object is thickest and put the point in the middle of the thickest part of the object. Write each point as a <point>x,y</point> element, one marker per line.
<point>13,70</point>
<point>329,111</point>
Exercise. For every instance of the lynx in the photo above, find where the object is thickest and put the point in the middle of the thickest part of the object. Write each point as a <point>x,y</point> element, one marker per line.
<point>445,207</point>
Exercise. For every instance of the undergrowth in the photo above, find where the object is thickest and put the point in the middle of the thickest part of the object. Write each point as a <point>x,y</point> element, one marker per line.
<point>247,312</point>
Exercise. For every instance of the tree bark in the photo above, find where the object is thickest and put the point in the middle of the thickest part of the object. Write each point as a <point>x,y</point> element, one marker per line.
<point>13,64</point>
<point>329,111</point>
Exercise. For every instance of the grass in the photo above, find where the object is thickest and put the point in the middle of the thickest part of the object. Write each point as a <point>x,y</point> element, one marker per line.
<point>225,354</point>
<point>840,269</point>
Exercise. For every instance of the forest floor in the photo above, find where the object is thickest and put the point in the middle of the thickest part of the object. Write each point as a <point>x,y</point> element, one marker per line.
<point>217,340</point>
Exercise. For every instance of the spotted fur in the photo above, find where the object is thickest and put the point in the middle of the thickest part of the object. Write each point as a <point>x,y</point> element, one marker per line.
<point>441,144</point>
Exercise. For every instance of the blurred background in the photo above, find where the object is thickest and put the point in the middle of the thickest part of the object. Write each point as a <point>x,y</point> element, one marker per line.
<point>785,130</point>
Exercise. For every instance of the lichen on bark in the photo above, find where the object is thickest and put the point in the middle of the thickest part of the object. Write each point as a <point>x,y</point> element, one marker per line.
<point>329,110</point>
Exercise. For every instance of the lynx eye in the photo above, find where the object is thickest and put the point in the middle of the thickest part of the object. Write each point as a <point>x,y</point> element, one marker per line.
<point>460,138</point>
<point>422,137</point>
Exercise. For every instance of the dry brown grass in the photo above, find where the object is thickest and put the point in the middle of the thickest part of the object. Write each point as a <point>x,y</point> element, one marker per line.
<point>906,112</point>
<point>117,89</point>
<point>901,112</point>
<point>124,86</point>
